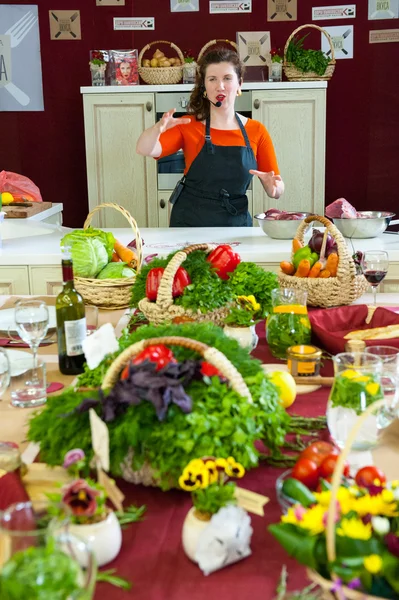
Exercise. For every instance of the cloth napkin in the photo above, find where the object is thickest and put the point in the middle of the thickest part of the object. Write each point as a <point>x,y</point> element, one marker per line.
<point>6,342</point>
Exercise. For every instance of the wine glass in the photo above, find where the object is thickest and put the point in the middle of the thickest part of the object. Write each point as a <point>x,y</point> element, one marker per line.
<point>31,318</point>
<point>4,371</point>
<point>389,382</point>
<point>375,265</point>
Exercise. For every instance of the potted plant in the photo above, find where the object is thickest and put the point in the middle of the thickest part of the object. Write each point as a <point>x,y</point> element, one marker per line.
<point>189,67</point>
<point>98,66</point>
<point>241,320</point>
<point>276,68</point>
<point>212,494</point>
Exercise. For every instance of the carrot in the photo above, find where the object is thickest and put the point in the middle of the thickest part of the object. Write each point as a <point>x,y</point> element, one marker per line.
<point>332,264</point>
<point>325,274</point>
<point>115,257</point>
<point>296,244</point>
<point>315,270</point>
<point>287,267</point>
<point>125,254</point>
<point>303,268</point>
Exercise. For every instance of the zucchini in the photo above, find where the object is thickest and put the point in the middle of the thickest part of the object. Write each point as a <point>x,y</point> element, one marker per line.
<point>298,492</point>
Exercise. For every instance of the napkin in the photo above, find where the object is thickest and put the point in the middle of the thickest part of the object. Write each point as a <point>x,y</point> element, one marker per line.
<point>12,344</point>
<point>99,344</point>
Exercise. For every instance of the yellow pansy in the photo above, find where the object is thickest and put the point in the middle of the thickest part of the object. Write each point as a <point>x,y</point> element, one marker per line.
<point>210,465</point>
<point>251,300</point>
<point>372,388</point>
<point>373,563</point>
<point>234,469</point>
<point>197,464</point>
<point>188,484</point>
<point>376,505</point>
<point>221,462</point>
<point>312,520</point>
<point>350,374</point>
<point>354,528</point>
<point>203,477</point>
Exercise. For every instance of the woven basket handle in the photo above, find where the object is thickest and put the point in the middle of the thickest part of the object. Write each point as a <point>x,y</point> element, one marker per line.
<point>211,355</point>
<point>132,223</point>
<point>165,296</point>
<point>212,43</point>
<point>312,27</point>
<point>343,252</point>
<point>337,477</point>
<point>171,44</point>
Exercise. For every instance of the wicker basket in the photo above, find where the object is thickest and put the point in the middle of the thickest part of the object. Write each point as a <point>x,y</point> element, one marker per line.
<point>110,294</point>
<point>164,309</point>
<point>161,75</point>
<point>212,43</point>
<point>292,73</point>
<point>146,474</point>
<point>343,289</point>
<point>327,584</point>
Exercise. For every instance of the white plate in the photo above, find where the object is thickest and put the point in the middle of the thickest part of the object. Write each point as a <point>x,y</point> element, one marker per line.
<point>300,388</point>
<point>7,319</point>
<point>24,361</point>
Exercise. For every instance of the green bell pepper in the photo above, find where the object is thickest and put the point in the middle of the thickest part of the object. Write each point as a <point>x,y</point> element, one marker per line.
<point>302,253</point>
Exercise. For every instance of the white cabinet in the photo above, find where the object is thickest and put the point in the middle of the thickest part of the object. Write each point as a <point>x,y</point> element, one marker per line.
<point>45,280</point>
<point>14,280</point>
<point>296,121</point>
<point>115,173</point>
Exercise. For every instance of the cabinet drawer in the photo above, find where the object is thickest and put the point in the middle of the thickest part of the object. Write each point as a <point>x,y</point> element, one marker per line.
<point>14,280</point>
<point>45,280</point>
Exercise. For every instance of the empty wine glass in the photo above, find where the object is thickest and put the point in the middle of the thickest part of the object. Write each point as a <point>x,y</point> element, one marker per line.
<point>31,318</point>
<point>4,371</point>
<point>375,265</point>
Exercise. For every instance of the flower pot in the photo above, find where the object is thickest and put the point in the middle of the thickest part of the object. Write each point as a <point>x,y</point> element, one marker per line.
<point>276,71</point>
<point>98,74</point>
<point>192,528</point>
<point>246,336</point>
<point>104,538</point>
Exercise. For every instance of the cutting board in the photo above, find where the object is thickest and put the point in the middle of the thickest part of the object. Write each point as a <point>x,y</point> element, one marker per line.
<point>23,212</point>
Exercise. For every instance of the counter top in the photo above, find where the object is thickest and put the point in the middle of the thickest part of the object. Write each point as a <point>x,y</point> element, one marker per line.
<point>187,87</point>
<point>33,243</point>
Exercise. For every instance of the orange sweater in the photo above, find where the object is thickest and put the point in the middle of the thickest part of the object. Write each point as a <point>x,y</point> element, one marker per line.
<point>191,138</point>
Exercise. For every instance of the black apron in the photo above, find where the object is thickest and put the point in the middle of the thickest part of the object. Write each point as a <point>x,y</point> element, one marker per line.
<point>212,194</point>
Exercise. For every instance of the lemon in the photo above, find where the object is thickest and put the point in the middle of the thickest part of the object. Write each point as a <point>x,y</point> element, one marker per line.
<point>6,198</point>
<point>286,386</point>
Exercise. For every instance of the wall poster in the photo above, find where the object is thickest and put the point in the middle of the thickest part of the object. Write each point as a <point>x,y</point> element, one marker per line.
<point>322,13</point>
<point>21,86</point>
<point>133,23</point>
<point>383,9</point>
<point>381,36</point>
<point>229,6</point>
<point>184,5</point>
<point>342,39</point>
<point>281,10</point>
<point>65,25</point>
<point>254,47</point>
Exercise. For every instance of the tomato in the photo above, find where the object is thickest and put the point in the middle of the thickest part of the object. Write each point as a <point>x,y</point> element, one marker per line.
<point>307,472</point>
<point>366,476</point>
<point>328,465</point>
<point>318,451</point>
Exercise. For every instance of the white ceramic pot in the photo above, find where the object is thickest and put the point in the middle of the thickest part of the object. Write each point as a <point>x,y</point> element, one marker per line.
<point>104,538</point>
<point>192,529</point>
<point>246,336</point>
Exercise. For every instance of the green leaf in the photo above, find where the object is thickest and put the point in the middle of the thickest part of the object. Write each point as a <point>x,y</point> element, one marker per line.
<point>109,577</point>
<point>298,544</point>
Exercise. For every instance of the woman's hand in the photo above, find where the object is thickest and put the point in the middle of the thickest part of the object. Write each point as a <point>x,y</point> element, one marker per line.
<point>168,121</point>
<point>273,184</point>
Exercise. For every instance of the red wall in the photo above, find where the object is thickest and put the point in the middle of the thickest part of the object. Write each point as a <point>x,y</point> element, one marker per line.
<point>362,109</point>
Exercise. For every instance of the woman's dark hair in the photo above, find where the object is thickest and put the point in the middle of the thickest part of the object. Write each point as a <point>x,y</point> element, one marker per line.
<point>198,105</point>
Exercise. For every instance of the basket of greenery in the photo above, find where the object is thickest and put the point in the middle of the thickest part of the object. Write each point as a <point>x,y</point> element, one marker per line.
<point>204,289</point>
<point>198,394</point>
<point>301,64</point>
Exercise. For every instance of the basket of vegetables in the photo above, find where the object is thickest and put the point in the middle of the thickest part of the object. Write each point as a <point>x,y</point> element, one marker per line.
<point>301,64</point>
<point>160,69</point>
<point>104,269</point>
<point>323,267</point>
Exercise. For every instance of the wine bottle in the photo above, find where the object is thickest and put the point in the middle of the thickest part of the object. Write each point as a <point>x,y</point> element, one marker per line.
<point>71,322</point>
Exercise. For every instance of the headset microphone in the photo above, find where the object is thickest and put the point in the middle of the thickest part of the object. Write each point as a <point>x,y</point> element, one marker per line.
<point>218,104</point>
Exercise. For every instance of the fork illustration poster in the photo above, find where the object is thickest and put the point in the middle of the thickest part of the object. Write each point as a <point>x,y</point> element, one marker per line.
<point>21,87</point>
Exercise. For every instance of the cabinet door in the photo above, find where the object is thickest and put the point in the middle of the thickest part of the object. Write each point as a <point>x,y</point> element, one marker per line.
<point>296,121</point>
<point>115,172</point>
<point>14,280</point>
<point>46,281</point>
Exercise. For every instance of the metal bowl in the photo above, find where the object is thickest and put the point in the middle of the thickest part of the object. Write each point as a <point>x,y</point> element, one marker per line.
<point>372,225</point>
<point>281,230</point>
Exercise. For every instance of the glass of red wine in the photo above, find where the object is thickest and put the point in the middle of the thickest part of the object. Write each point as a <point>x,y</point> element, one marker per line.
<point>375,265</point>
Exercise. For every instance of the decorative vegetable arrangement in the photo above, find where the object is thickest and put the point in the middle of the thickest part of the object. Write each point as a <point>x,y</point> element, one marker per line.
<point>306,60</point>
<point>97,254</point>
<point>318,259</point>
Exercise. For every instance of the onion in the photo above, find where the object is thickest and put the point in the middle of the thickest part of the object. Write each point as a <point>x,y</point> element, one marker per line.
<point>316,242</point>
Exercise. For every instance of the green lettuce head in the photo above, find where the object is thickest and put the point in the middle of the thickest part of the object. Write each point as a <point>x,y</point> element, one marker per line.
<point>106,238</point>
<point>116,270</point>
<point>89,257</point>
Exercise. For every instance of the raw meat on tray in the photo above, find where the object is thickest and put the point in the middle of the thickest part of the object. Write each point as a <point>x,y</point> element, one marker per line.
<point>282,215</point>
<point>341,209</point>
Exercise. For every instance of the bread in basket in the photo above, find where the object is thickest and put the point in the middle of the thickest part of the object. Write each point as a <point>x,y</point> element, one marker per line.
<point>171,70</point>
<point>343,289</point>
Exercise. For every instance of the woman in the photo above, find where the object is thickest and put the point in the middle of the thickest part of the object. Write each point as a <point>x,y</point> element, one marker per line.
<point>220,160</point>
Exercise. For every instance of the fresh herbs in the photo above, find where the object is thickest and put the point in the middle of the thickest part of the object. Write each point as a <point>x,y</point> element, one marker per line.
<point>245,313</point>
<point>356,390</point>
<point>306,60</point>
<point>285,330</point>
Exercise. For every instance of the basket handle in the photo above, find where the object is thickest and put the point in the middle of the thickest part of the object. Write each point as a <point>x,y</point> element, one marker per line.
<point>164,296</point>
<point>211,355</point>
<point>172,45</point>
<point>312,27</point>
<point>337,477</point>
<point>212,43</point>
<point>132,223</point>
<point>343,252</point>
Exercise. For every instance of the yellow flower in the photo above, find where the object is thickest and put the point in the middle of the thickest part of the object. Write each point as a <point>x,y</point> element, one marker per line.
<point>387,496</point>
<point>249,300</point>
<point>312,520</point>
<point>213,471</point>
<point>221,462</point>
<point>372,388</point>
<point>203,478</point>
<point>187,484</point>
<point>373,563</point>
<point>350,374</point>
<point>197,464</point>
<point>305,322</point>
<point>376,505</point>
<point>362,378</point>
<point>354,528</point>
<point>344,497</point>
<point>234,469</point>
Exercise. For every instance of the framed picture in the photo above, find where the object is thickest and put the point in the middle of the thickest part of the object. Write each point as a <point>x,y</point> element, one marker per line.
<point>254,48</point>
<point>124,67</point>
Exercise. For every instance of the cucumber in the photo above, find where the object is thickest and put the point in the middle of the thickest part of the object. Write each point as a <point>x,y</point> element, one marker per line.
<point>298,491</point>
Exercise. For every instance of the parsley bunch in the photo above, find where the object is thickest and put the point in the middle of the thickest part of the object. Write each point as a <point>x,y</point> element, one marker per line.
<point>306,60</point>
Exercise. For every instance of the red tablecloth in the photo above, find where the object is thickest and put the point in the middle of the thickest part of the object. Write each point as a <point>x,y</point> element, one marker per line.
<point>152,556</point>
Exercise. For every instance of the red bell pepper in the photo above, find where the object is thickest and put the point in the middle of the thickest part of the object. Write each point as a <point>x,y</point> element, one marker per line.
<point>224,260</point>
<point>157,353</point>
<point>180,282</point>
<point>209,370</point>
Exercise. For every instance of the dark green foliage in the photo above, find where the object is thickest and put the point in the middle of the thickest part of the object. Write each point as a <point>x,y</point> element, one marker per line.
<point>306,60</point>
